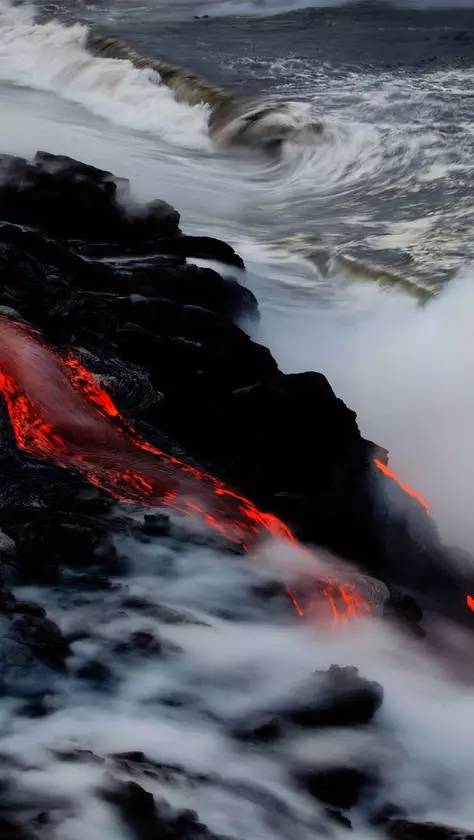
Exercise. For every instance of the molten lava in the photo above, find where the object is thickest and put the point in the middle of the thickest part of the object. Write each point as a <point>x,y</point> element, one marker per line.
<point>410,491</point>
<point>58,411</point>
<point>470,602</point>
<point>345,602</point>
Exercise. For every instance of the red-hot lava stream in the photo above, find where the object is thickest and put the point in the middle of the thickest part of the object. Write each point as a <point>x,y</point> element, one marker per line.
<point>415,494</point>
<point>410,491</point>
<point>58,411</point>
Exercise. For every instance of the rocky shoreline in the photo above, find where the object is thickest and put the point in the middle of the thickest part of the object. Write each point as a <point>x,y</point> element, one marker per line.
<point>116,283</point>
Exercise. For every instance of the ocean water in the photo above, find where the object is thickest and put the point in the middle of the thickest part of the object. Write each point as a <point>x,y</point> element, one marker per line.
<point>359,247</point>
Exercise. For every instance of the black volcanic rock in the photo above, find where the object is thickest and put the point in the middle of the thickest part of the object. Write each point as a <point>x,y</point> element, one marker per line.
<point>303,411</point>
<point>9,570</point>
<point>66,198</point>
<point>339,787</point>
<point>185,369</point>
<point>406,830</point>
<point>202,247</point>
<point>95,672</point>
<point>337,697</point>
<point>27,636</point>
<point>42,637</point>
<point>147,818</point>
<point>405,610</point>
<point>47,543</point>
<point>188,284</point>
<point>11,830</point>
<point>141,643</point>
<point>71,200</point>
<point>50,278</point>
<point>159,334</point>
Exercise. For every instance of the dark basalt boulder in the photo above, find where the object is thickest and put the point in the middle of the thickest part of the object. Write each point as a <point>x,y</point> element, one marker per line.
<point>405,611</point>
<point>96,672</point>
<point>337,697</point>
<point>184,369</point>
<point>407,830</point>
<point>9,567</point>
<point>147,818</point>
<point>189,284</point>
<point>201,247</point>
<point>339,787</point>
<point>27,637</point>
<point>260,432</point>
<point>291,420</point>
<point>11,830</point>
<point>49,542</point>
<point>65,198</point>
<point>155,525</point>
<point>141,643</point>
<point>39,274</point>
<point>42,637</point>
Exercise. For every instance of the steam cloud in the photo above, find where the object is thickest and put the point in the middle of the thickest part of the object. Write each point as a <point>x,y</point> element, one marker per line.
<point>406,370</point>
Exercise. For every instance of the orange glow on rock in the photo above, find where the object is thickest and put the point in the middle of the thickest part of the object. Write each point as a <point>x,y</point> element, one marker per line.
<point>410,491</point>
<point>343,601</point>
<point>58,411</point>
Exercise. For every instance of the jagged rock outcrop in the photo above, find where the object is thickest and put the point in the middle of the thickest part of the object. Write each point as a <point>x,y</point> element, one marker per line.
<point>160,335</point>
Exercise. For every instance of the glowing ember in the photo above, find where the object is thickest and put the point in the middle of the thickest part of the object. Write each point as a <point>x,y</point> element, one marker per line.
<point>58,410</point>
<point>470,602</point>
<point>410,491</point>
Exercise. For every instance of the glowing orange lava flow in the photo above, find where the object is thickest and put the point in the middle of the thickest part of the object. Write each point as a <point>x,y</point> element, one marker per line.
<point>58,411</point>
<point>470,602</point>
<point>345,602</point>
<point>410,491</point>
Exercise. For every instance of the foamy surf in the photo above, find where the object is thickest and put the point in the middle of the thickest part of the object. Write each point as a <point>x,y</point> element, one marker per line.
<point>344,157</point>
<point>53,57</point>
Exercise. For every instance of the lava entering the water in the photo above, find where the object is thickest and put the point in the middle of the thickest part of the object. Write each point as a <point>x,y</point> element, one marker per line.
<point>410,491</point>
<point>58,411</point>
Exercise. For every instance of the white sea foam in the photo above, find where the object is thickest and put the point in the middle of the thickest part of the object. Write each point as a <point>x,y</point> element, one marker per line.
<point>52,57</point>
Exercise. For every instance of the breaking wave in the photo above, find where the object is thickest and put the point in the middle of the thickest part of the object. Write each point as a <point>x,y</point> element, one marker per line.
<point>53,57</point>
<point>341,160</point>
<point>112,80</point>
